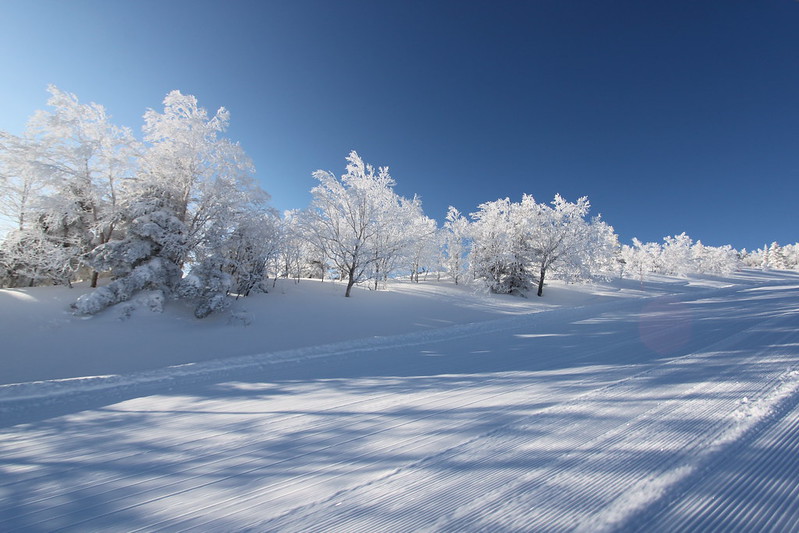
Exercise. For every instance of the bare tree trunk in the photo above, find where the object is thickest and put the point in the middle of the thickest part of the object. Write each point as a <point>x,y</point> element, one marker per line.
<point>95,276</point>
<point>541,281</point>
<point>350,281</point>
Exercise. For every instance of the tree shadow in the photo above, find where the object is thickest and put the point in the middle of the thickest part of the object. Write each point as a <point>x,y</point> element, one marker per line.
<point>519,416</point>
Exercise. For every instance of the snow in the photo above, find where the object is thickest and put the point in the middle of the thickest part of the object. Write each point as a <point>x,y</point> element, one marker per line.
<point>619,406</point>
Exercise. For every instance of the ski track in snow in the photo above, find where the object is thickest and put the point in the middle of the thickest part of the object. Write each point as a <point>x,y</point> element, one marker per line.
<point>564,420</point>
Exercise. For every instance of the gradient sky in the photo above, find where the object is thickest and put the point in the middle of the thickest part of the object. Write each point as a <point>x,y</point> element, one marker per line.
<point>670,116</point>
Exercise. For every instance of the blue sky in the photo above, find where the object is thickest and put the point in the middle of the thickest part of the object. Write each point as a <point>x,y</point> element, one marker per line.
<point>670,116</point>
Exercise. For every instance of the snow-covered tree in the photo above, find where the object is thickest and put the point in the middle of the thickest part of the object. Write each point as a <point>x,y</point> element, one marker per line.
<point>350,221</point>
<point>422,241</point>
<point>596,257</point>
<point>30,253</point>
<point>237,265</point>
<point>790,253</point>
<point>253,243</point>
<point>456,235</point>
<point>498,258</point>
<point>393,233</point>
<point>62,179</point>
<point>202,176</point>
<point>516,245</point>
<point>30,257</point>
<point>676,258</point>
<point>193,204</point>
<point>21,180</point>
<point>776,259</point>
<point>298,257</point>
<point>772,256</point>
<point>720,260</point>
<point>641,258</point>
<point>559,235</point>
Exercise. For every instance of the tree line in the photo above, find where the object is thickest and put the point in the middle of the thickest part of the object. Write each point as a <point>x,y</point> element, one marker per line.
<point>178,215</point>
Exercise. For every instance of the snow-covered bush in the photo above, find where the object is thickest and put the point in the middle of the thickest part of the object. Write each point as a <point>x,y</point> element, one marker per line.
<point>146,259</point>
<point>207,286</point>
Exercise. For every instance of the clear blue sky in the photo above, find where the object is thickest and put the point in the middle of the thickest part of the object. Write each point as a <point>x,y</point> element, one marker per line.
<point>670,115</point>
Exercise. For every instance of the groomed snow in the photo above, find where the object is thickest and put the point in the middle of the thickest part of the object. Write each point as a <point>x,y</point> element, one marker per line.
<point>617,406</point>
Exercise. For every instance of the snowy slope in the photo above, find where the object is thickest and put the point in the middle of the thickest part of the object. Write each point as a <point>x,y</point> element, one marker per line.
<point>615,408</point>
<point>44,340</point>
